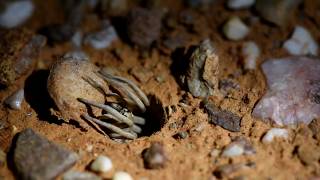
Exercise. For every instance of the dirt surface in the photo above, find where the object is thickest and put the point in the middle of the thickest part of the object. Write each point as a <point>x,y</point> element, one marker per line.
<point>190,157</point>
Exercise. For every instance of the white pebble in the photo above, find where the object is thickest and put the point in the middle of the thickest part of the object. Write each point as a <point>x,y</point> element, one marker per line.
<point>240,4</point>
<point>14,101</point>
<point>121,175</point>
<point>239,146</point>
<point>235,29</point>
<point>102,38</point>
<point>77,55</point>
<point>101,164</point>
<point>275,133</point>
<point>250,52</point>
<point>16,13</point>
<point>233,150</point>
<point>301,43</point>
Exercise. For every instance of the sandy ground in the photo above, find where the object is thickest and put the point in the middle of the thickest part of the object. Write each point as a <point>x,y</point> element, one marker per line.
<point>189,158</point>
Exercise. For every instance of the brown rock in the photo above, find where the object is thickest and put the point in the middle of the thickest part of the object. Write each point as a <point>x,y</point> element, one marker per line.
<point>154,157</point>
<point>223,118</point>
<point>37,158</point>
<point>202,76</point>
<point>18,52</point>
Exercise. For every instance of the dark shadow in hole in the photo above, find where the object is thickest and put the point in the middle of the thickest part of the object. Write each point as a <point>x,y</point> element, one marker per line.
<point>120,24</point>
<point>180,63</point>
<point>155,117</point>
<point>37,96</point>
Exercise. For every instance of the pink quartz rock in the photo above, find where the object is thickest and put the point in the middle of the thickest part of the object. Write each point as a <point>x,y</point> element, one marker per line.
<point>293,94</point>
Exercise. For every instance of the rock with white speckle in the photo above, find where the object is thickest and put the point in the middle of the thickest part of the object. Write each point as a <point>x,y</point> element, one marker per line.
<point>275,133</point>
<point>301,43</point>
<point>101,164</point>
<point>121,175</point>
<point>235,29</point>
<point>240,4</point>
<point>250,53</point>
<point>15,13</point>
<point>293,94</point>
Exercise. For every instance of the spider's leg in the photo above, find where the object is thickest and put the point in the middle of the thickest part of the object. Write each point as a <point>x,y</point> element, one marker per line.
<point>109,110</point>
<point>113,128</point>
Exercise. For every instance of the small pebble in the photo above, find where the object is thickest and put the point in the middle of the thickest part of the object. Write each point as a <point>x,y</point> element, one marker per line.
<point>121,175</point>
<point>235,29</point>
<point>154,157</point>
<point>301,43</point>
<point>15,13</point>
<point>101,164</point>
<point>77,54</point>
<point>75,175</point>
<point>275,133</point>
<point>103,38</point>
<point>14,101</point>
<point>181,135</point>
<point>250,52</point>
<point>238,147</point>
<point>240,4</point>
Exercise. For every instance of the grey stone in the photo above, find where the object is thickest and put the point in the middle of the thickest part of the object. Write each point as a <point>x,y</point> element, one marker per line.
<point>223,118</point>
<point>202,76</point>
<point>37,158</point>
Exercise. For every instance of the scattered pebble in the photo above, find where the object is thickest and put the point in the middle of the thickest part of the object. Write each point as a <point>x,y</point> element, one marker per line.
<point>301,43</point>
<point>239,147</point>
<point>202,75</point>
<point>14,101</point>
<point>181,135</point>
<point>293,91</point>
<point>275,133</point>
<point>77,54</point>
<point>215,153</point>
<point>15,13</point>
<point>154,157</point>
<point>240,4</point>
<point>223,118</point>
<point>75,175</point>
<point>250,52</point>
<point>35,157</point>
<point>277,12</point>
<point>143,26</point>
<point>121,175</point>
<point>235,29</point>
<point>101,164</point>
<point>102,38</point>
